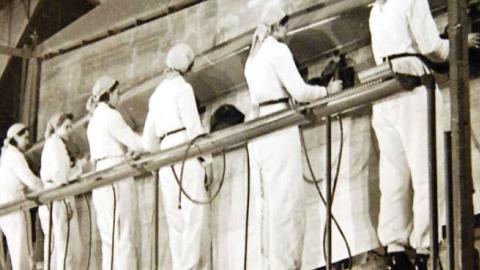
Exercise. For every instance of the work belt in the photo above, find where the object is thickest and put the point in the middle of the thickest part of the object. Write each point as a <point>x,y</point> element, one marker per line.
<point>272,102</point>
<point>408,81</point>
<point>172,132</point>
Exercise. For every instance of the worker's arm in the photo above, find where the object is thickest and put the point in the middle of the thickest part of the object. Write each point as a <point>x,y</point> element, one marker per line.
<point>288,74</point>
<point>149,138</point>
<point>122,132</point>
<point>23,172</point>
<point>375,47</point>
<point>424,29</point>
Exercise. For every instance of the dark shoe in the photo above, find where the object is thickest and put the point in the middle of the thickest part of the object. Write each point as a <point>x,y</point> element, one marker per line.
<point>398,261</point>
<point>421,262</point>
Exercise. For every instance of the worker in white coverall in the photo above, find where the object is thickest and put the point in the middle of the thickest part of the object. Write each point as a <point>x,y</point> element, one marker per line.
<point>116,206</point>
<point>173,119</point>
<point>58,166</point>
<point>16,179</point>
<point>399,28</point>
<point>272,78</point>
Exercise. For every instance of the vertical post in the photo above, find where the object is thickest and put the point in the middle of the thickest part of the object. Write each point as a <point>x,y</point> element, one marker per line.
<point>156,208</point>
<point>449,199</point>
<point>49,243</point>
<point>460,123</point>
<point>23,88</point>
<point>30,87</point>
<point>432,176</point>
<point>328,183</point>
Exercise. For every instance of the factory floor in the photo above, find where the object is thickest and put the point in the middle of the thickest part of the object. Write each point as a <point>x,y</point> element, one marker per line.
<point>374,260</point>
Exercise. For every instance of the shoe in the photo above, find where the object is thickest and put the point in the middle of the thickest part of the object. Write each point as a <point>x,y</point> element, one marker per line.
<point>398,261</point>
<point>421,262</point>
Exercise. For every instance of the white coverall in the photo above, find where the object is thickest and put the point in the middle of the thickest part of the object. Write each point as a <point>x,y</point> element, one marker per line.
<point>15,176</point>
<point>400,123</point>
<point>171,107</point>
<point>108,136</point>
<point>270,74</point>
<point>56,169</point>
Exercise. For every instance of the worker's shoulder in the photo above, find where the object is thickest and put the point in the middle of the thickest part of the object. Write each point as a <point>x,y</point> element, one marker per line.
<point>398,6</point>
<point>276,48</point>
<point>53,143</point>
<point>169,88</point>
<point>183,86</point>
<point>12,154</point>
<point>104,116</point>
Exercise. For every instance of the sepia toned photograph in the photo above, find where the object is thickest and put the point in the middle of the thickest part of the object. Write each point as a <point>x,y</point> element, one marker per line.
<point>240,134</point>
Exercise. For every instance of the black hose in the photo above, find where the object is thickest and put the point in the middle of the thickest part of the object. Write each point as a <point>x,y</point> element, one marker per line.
<point>89,230</point>
<point>49,244</point>
<point>156,226</point>
<point>113,226</point>
<point>179,179</point>
<point>337,173</point>
<point>340,154</point>
<point>247,210</point>
<point>302,139</point>
<point>68,235</point>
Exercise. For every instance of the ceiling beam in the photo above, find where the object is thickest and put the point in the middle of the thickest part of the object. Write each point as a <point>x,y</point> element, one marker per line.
<point>13,25</point>
<point>16,52</point>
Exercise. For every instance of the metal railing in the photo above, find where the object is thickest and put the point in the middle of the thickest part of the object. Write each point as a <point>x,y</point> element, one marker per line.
<point>365,94</point>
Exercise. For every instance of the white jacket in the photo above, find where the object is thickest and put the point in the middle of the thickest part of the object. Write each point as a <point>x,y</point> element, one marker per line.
<point>108,134</point>
<point>406,26</point>
<point>56,165</point>
<point>15,175</point>
<point>171,107</point>
<point>271,73</point>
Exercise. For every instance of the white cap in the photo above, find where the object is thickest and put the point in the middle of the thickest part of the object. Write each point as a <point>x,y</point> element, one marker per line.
<point>180,57</point>
<point>273,14</point>
<point>55,121</point>
<point>15,129</point>
<point>103,85</point>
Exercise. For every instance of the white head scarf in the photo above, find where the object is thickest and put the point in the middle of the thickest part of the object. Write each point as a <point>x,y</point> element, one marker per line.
<point>55,122</point>
<point>12,131</point>
<point>180,57</point>
<point>272,15</point>
<point>103,85</point>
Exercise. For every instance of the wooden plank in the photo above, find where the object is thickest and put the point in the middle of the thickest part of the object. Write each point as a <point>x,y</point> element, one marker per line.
<point>463,217</point>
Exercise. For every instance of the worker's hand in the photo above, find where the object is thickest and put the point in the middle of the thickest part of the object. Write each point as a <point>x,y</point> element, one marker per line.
<point>205,160</point>
<point>70,210</point>
<point>334,86</point>
<point>474,40</point>
<point>134,155</point>
<point>24,191</point>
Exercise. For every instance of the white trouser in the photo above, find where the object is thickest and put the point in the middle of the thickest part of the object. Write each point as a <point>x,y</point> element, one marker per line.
<point>186,226</point>
<point>16,228</point>
<point>277,158</point>
<point>66,245</point>
<point>124,256</point>
<point>401,128</point>
<point>2,252</point>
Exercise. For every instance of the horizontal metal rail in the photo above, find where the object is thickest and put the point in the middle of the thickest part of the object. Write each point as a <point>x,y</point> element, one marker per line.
<point>349,99</point>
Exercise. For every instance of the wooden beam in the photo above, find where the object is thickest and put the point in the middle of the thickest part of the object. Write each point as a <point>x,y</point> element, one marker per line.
<point>16,52</point>
<point>463,216</point>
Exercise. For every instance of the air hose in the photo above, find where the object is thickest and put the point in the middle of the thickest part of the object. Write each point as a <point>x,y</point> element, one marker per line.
<point>49,245</point>
<point>316,184</point>
<point>68,234</point>
<point>179,180</point>
<point>89,230</point>
<point>247,210</point>
<point>113,226</point>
